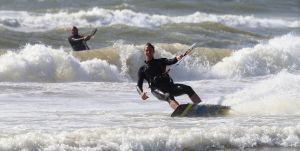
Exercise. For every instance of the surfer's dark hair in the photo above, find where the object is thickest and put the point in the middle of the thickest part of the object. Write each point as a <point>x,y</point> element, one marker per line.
<point>148,44</point>
<point>75,28</point>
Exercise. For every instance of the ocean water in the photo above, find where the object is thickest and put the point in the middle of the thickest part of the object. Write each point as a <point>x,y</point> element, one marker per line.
<point>53,99</point>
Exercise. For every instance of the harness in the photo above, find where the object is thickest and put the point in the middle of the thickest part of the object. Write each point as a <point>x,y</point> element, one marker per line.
<point>154,79</point>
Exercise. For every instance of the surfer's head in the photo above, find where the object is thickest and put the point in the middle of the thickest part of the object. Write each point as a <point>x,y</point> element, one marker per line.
<point>74,30</point>
<point>148,51</point>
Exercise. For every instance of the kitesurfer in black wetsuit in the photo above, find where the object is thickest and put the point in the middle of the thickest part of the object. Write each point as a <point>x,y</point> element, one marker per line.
<point>78,42</point>
<point>160,83</point>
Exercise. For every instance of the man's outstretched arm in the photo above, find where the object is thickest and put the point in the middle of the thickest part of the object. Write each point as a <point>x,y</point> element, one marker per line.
<point>173,60</point>
<point>139,86</point>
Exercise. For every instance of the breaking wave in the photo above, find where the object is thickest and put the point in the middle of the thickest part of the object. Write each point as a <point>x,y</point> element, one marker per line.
<point>273,56</point>
<point>95,17</point>
<point>40,63</point>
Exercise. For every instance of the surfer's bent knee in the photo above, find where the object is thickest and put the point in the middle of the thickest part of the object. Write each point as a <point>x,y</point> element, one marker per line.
<point>188,90</point>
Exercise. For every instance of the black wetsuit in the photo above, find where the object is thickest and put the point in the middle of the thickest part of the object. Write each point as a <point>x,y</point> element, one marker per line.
<point>77,43</point>
<point>161,83</point>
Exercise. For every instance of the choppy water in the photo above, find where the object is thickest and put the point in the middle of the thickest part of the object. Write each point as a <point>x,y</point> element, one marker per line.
<point>54,99</point>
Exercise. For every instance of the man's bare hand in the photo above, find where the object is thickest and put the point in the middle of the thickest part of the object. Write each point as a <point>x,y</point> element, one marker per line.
<point>86,38</point>
<point>144,95</point>
<point>179,57</point>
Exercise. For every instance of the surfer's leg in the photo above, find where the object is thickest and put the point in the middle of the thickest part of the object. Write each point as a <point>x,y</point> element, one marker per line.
<point>195,98</point>
<point>173,104</point>
<point>165,97</point>
<point>180,89</point>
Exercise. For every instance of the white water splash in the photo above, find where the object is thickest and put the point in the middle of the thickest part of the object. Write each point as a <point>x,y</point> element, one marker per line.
<point>279,53</point>
<point>40,63</point>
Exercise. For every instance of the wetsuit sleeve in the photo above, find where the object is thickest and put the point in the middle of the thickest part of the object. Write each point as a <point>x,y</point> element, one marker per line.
<point>171,61</point>
<point>140,82</point>
<point>75,39</point>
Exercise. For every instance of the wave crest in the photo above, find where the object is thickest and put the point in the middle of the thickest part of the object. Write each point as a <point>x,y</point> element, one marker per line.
<point>279,53</point>
<point>40,63</point>
<point>32,22</point>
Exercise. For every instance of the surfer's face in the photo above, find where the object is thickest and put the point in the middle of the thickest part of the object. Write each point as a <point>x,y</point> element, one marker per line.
<point>74,31</point>
<point>148,52</point>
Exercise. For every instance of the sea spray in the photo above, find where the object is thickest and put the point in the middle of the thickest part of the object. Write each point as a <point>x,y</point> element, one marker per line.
<point>40,63</point>
<point>278,94</point>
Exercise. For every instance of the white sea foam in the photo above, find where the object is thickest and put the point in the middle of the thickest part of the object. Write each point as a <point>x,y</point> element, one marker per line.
<point>279,53</point>
<point>40,63</point>
<point>161,139</point>
<point>28,21</point>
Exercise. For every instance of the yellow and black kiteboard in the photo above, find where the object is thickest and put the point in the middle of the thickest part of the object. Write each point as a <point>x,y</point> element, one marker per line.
<point>203,110</point>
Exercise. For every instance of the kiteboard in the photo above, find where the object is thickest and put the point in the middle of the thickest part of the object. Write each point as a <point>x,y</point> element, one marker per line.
<point>203,110</point>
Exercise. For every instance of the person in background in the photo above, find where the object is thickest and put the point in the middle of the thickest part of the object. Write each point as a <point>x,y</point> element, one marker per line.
<point>78,42</point>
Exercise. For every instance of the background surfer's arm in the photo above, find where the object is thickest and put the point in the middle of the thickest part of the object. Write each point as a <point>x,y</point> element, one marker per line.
<point>77,39</point>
